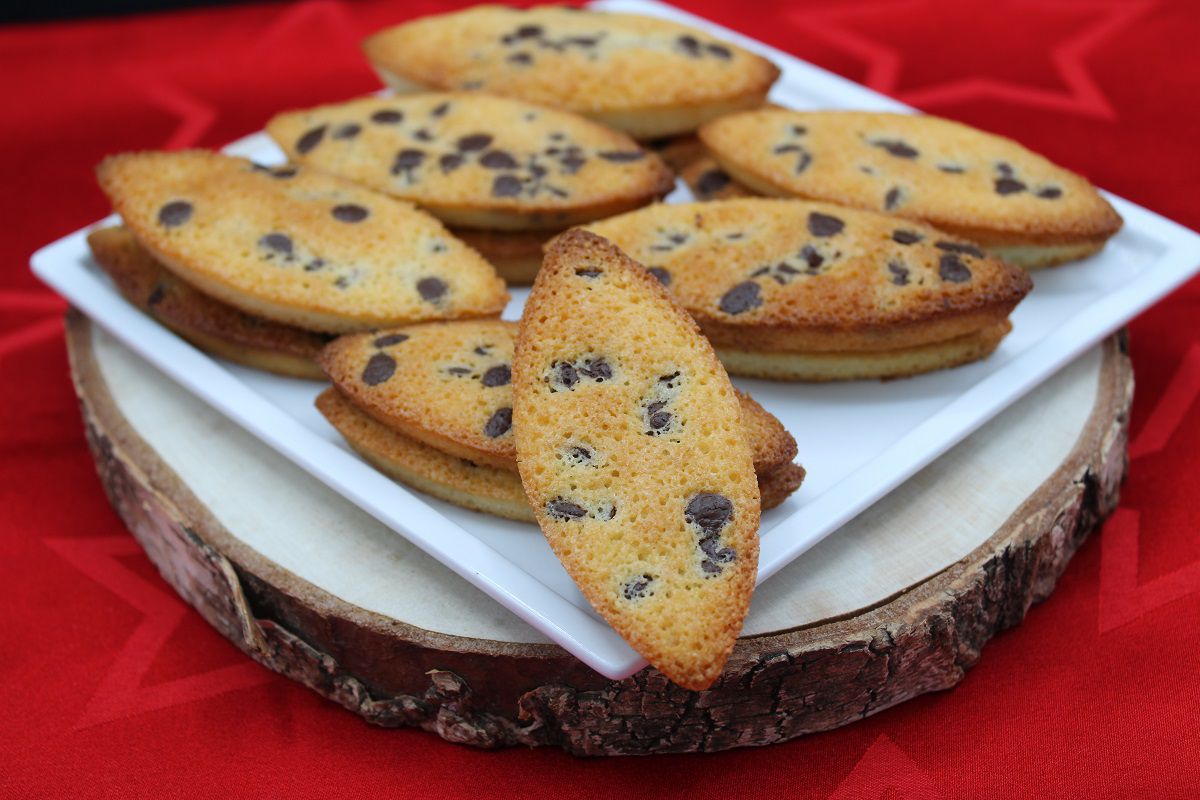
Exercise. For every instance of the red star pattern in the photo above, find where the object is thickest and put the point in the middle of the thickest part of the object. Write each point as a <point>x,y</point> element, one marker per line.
<point>885,62</point>
<point>886,772</point>
<point>121,692</point>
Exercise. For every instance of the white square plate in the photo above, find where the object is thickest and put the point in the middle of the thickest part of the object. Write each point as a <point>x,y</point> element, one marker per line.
<point>858,440</point>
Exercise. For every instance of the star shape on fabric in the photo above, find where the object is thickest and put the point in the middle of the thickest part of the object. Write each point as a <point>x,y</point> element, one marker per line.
<point>955,53</point>
<point>886,771</point>
<point>121,693</point>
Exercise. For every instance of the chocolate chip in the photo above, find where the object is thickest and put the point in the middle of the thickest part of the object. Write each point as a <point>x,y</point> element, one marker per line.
<point>407,159</point>
<point>350,212</point>
<point>387,116</point>
<point>283,172</point>
<point>497,376</point>
<point>962,248</point>
<point>567,375</point>
<point>896,147</point>
<point>476,141</point>
<point>498,159</point>
<point>741,298</point>
<point>953,169</point>
<point>906,237</point>
<point>390,339</point>
<point>314,265</point>
<point>1004,168</point>
<point>529,31</point>
<point>175,213</point>
<point>156,295</point>
<point>348,131</point>
<point>378,369</point>
<point>1009,186</point>
<point>711,182</point>
<point>422,135</point>
<point>506,186</point>
<point>811,257</point>
<point>439,110</point>
<point>689,44</point>
<point>669,379</point>
<point>952,269</point>
<point>799,130</point>
<point>661,274</point>
<point>622,156</point>
<point>1049,193</point>
<point>483,349</point>
<point>720,51</point>
<point>892,198</point>
<point>432,289</point>
<point>520,58</point>
<point>899,273</point>
<point>458,372</point>
<point>636,588</point>
<point>277,242</point>
<point>658,418</point>
<point>824,225</point>
<point>589,272</point>
<point>499,423</point>
<point>580,454</point>
<point>708,511</point>
<point>450,162</point>
<point>564,509</point>
<point>597,369</point>
<point>310,140</point>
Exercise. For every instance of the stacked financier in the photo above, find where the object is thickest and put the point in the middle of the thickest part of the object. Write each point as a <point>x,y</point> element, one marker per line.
<point>794,290</point>
<point>260,264</point>
<point>990,190</point>
<point>504,174</point>
<point>432,405</point>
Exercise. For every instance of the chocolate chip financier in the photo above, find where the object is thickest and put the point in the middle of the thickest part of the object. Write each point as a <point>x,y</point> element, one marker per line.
<point>793,290</point>
<point>414,402</point>
<point>295,246</point>
<point>657,525</point>
<point>646,76</point>
<point>209,324</point>
<point>1012,202</point>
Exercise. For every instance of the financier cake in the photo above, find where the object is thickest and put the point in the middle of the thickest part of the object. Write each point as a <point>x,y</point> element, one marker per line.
<point>646,76</point>
<point>431,406</point>
<point>658,523</point>
<point>296,246</point>
<point>209,324</point>
<point>794,290</point>
<point>1014,203</point>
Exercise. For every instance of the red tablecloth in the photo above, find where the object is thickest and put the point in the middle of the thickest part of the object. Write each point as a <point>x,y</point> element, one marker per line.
<point>111,686</point>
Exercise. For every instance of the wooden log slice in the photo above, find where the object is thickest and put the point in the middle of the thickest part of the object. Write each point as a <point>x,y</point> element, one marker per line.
<point>897,603</point>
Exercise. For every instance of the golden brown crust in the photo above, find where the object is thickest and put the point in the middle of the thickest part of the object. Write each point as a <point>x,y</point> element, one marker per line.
<point>969,183</point>
<point>475,486</point>
<point>656,521</point>
<point>209,324</point>
<point>476,160</point>
<point>765,273</point>
<point>296,246</point>
<point>648,76</point>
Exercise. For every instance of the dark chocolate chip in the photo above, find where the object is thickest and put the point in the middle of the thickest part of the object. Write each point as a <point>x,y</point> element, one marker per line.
<point>529,31</point>
<point>571,163</point>
<point>892,198</point>
<point>897,148</point>
<point>580,453</point>
<point>156,295</point>
<point>175,213</point>
<point>422,135</point>
<point>589,272</point>
<point>962,248</point>
<point>567,375</point>
<point>450,162</point>
<point>689,44</point>
<point>432,289</point>
<point>387,116</point>
<point>708,511</point>
<point>458,372</point>
<point>506,186</point>
<point>660,420</point>
<point>1005,169</point>
<point>824,225</point>
<point>662,275</point>
<point>899,273</point>
<point>439,110</point>
<point>906,237</point>
<point>711,182</point>
<point>310,140</point>
<point>787,148</point>
<point>953,169</point>
<point>669,378</point>
<point>741,298</point>
<point>283,172</point>
<point>799,130</point>
<point>499,423</point>
<point>348,131</point>
<point>483,350</point>
<point>390,339</point>
<point>1009,186</point>
<point>497,376</point>
<point>952,269</point>
<point>314,265</point>
<point>811,257</point>
<point>476,141</point>
<point>622,156</point>
<point>498,159</point>
<point>637,588</point>
<point>378,369</point>
<point>520,58</point>
<point>350,212</point>
<point>277,242</point>
<point>720,51</point>
<point>564,509</point>
<point>407,159</point>
<point>1049,193</point>
<point>343,281</point>
<point>597,369</point>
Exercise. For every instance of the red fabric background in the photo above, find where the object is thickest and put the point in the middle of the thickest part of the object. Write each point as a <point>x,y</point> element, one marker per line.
<point>111,686</point>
